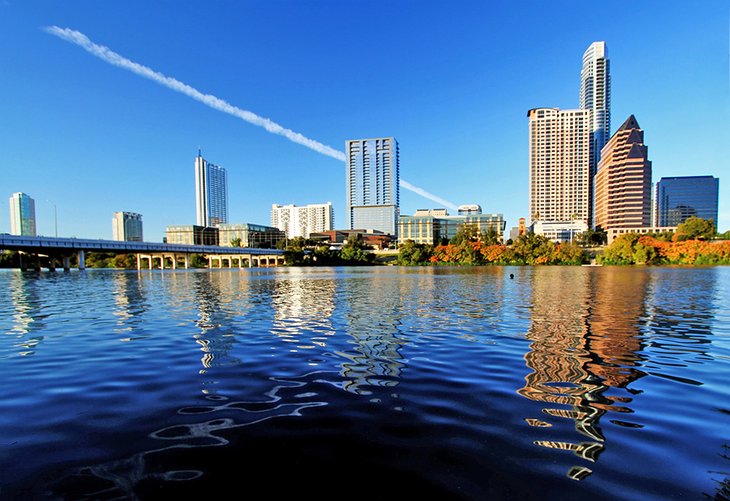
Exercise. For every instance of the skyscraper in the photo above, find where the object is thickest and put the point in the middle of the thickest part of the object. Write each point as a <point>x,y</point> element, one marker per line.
<point>623,182</point>
<point>595,95</point>
<point>559,165</point>
<point>300,221</point>
<point>127,227</point>
<point>372,184</point>
<point>677,198</point>
<point>22,215</point>
<point>211,193</point>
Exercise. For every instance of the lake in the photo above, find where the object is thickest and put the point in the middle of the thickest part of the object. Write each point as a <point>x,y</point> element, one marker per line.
<point>366,383</point>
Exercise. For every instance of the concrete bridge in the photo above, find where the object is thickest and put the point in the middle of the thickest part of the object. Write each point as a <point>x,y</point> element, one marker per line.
<point>60,250</point>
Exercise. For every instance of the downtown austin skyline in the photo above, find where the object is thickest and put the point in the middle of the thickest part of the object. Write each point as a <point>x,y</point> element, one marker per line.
<point>93,139</point>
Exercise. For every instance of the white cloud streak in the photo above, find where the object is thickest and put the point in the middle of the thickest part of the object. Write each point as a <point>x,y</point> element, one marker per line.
<point>109,56</point>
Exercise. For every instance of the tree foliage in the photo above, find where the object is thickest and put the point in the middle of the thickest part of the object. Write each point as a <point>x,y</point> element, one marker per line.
<point>412,254</point>
<point>695,228</point>
<point>634,249</point>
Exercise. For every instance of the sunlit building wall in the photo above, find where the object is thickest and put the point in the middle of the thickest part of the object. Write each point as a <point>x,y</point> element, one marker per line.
<point>559,158</point>
<point>372,184</point>
<point>434,227</point>
<point>678,198</point>
<point>301,220</point>
<point>22,215</point>
<point>211,193</point>
<point>127,227</point>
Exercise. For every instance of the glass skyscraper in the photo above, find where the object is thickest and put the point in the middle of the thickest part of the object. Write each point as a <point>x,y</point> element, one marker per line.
<point>372,184</point>
<point>595,95</point>
<point>127,227</point>
<point>22,215</point>
<point>211,193</point>
<point>678,198</point>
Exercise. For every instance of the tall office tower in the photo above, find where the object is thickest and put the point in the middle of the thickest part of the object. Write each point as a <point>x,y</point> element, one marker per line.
<point>559,165</point>
<point>127,227</point>
<point>372,184</point>
<point>211,193</point>
<point>623,182</point>
<point>301,220</point>
<point>22,215</point>
<point>678,198</point>
<point>595,95</point>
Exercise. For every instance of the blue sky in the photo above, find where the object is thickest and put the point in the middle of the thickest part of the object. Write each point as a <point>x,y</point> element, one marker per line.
<point>451,81</point>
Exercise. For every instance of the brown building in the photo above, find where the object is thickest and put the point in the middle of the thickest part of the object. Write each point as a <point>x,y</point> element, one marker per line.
<point>623,182</point>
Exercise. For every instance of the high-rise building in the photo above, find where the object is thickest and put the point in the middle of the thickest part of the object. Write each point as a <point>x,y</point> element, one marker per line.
<point>127,227</point>
<point>595,95</point>
<point>623,182</point>
<point>677,198</point>
<point>22,215</point>
<point>559,165</point>
<point>301,220</point>
<point>372,184</point>
<point>211,193</point>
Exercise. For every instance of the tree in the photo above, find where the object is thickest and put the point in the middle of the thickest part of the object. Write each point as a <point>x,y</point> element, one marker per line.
<point>467,233</point>
<point>353,252</point>
<point>236,242</point>
<point>695,228</point>
<point>591,238</point>
<point>410,253</point>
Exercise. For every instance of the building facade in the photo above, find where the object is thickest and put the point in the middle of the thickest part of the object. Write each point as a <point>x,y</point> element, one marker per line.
<point>127,227</point>
<point>373,191</point>
<point>559,157</point>
<point>191,235</point>
<point>211,193</point>
<point>623,181</point>
<point>559,231</point>
<point>678,198</point>
<point>22,215</point>
<point>300,221</point>
<point>436,226</point>
<point>251,235</point>
<point>595,95</point>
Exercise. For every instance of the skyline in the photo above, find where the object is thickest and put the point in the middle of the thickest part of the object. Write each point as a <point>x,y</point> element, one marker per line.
<point>455,102</point>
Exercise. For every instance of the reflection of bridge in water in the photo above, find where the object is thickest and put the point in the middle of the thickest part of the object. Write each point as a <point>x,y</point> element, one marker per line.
<point>60,250</point>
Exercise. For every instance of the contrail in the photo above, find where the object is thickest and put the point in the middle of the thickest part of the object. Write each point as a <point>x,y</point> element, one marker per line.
<point>111,57</point>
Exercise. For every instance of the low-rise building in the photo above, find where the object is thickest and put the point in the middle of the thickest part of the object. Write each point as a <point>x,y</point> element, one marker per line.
<point>559,231</point>
<point>250,235</point>
<point>191,235</point>
<point>613,233</point>
<point>435,225</point>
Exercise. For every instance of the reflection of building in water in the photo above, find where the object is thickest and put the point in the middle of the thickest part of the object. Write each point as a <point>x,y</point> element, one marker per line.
<point>303,305</point>
<point>215,320</point>
<point>585,339</point>
<point>129,297</point>
<point>373,313</point>
<point>27,317</point>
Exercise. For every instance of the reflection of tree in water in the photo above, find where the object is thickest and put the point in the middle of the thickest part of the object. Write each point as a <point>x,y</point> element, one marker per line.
<point>373,314</point>
<point>585,338</point>
<point>131,304</point>
<point>28,316</point>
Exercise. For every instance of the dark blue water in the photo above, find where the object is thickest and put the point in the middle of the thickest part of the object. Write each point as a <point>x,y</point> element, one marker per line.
<point>366,383</point>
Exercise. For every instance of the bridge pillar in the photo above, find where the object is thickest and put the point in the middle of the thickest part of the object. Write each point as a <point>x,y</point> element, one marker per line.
<point>66,263</point>
<point>82,260</point>
<point>250,260</point>
<point>51,263</point>
<point>187,261</point>
<point>139,262</point>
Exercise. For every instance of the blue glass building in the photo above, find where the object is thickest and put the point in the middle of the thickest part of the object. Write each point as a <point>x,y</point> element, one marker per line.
<point>372,184</point>
<point>678,198</point>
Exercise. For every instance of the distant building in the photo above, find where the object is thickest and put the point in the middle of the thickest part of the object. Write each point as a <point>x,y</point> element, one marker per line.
<point>623,182</point>
<point>612,233</point>
<point>301,220</point>
<point>211,193</point>
<point>191,235</point>
<point>22,215</point>
<point>436,227</point>
<point>677,198</point>
<point>373,184</point>
<point>465,210</point>
<point>559,159</point>
<point>127,227</point>
<point>431,212</point>
<point>372,238</point>
<point>517,231</point>
<point>595,95</point>
<point>251,235</point>
<point>559,231</point>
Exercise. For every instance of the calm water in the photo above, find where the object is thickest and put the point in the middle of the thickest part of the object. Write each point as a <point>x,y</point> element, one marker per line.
<point>377,383</point>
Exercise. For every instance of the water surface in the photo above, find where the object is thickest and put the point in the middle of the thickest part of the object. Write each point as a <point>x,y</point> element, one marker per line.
<point>366,383</point>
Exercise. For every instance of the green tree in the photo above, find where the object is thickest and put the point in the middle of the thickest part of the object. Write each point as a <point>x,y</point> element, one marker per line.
<point>467,233</point>
<point>198,261</point>
<point>411,254</point>
<point>236,242</point>
<point>353,252</point>
<point>621,251</point>
<point>696,228</point>
<point>9,259</point>
<point>591,238</point>
<point>124,261</point>
<point>533,249</point>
